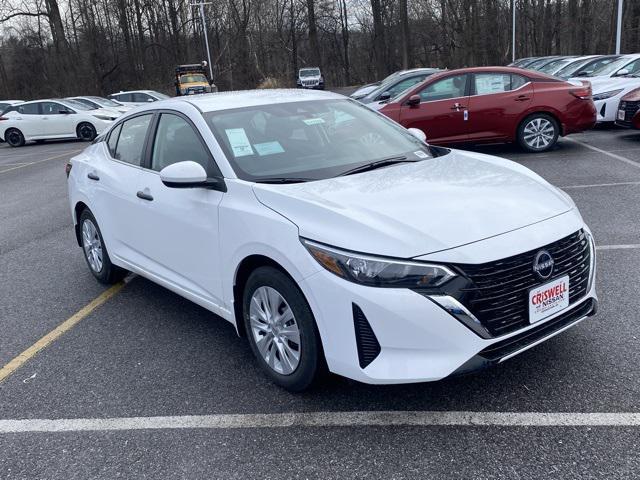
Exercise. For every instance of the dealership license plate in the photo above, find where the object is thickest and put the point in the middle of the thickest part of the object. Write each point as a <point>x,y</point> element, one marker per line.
<point>620,114</point>
<point>548,299</point>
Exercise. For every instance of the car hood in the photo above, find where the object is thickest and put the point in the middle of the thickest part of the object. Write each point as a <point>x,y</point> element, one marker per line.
<point>409,210</point>
<point>604,84</point>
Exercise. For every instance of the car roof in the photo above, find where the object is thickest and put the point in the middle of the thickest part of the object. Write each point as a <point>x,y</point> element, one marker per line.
<point>134,91</point>
<point>210,102</point>
<point>517,70</point>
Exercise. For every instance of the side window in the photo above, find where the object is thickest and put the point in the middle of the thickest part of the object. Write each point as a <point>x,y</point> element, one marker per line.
<point>113,140</point>
<point>517,81</point>
<point>404,84</point>
<point>487,83</point>
<point>450,87</point>
<point>131,139</point>
<point>176,141</point>
<point>29,109</point>
<point>142,97</point>
<point>51,108</point>
<point>633,67</point>
<point>124,97</point>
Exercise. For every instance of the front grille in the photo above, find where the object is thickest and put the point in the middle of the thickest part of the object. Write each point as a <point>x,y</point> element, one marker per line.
<point>630,109</point>
<point>366,341</point>
<point>309,83</point>
<point>498,294</point>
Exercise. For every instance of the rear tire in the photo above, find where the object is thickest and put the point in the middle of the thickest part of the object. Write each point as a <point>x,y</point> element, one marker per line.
<point>538,133</point>
<point>281,330</point>
<point>14,137</point>
<point>86,132</point>
<point>95,251</point>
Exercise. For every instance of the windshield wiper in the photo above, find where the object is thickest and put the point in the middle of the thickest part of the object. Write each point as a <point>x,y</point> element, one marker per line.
<point>377,164</point>
<point>283,180</point>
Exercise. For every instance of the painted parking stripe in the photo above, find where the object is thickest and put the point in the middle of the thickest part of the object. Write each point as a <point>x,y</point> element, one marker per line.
<point>604,152</point>
<point>326,419</point>
<point>41,161</point>
<point>57,332</point>
<point>594,185</point>
<point>630,246</point>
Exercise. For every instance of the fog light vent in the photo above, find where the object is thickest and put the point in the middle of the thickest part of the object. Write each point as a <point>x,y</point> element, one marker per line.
<point>368,346</point>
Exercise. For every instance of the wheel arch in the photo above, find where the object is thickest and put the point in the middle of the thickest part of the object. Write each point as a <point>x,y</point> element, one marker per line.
<point>78,208</point>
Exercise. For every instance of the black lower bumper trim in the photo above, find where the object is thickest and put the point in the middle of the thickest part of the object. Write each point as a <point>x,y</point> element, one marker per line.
<point>499,350</point>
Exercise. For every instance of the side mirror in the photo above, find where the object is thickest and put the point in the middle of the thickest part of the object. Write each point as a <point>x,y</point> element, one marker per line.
<point>419,134</point>
<point>622,72</point>
<point>384,96</point>
<point>189,174</point>
<point>151,100</point>
<point>64,111</point>
<point>414,100</point>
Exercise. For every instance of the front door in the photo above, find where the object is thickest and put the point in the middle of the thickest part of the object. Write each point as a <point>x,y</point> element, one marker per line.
<point>58,124</point>
<point>180,225</point>
<point>442,112</point>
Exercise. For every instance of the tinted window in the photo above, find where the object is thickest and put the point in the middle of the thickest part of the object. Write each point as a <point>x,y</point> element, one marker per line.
<point>142,97</point>
<point>176,141</point>
<point>124,97</point>
<point>113,140</point>
<point>52,108</point>
<point>517,81</point>
<point>29,109</point>
<point>131,139</point>
<point>450,87</point>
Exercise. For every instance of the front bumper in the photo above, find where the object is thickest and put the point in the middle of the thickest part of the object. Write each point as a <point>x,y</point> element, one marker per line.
<point>417,340</point>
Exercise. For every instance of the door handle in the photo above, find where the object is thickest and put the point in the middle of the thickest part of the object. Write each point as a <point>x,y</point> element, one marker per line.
<point>145,196</point>
<point>456,107</point>
<point>93,176</point>
<point>522,98</point>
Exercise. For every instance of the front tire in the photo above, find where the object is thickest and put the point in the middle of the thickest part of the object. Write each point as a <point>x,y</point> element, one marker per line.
<point>86,132</point>
<point>14,137</point>
<point>538,133</point>
<point>281,329</point>
<point>95,251</point>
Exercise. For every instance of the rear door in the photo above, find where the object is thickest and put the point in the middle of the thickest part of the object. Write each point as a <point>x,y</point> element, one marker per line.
<point>496,103</point>
<point>442,111</point>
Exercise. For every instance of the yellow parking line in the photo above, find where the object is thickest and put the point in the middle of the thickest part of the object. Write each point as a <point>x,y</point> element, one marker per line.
<point>57,332</point>
<point>40,161</point>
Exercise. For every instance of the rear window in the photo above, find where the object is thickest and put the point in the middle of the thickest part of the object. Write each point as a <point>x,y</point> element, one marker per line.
<point>29,109</point>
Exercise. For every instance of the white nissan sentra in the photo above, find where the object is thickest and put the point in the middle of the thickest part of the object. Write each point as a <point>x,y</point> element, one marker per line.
<point>331,237</point>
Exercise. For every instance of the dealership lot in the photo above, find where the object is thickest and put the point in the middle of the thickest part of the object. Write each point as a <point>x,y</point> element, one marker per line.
<point>146,352</point>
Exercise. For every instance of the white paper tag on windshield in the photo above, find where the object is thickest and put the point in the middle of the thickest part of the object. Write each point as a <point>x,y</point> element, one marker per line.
<point>239,142</point>
<point>313,121</point>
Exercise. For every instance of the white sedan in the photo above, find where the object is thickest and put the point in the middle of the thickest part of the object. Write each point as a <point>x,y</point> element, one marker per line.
<point>100,102</point>
<point>52,119</point>
<point>607,93</point>
<point>135,98</point>
<point>331,237</point>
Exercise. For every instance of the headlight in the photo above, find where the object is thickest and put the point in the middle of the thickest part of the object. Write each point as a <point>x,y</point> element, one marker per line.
<point>105,117</point>
<point>605,95</point>
<point>378,271</point>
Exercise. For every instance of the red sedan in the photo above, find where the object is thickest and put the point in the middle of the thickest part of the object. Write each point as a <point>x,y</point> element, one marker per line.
<point>495,105</point>
<point>629,110</point>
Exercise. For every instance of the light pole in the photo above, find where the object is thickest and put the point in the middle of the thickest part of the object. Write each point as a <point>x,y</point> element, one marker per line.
<point>619,27</point>
<point>513,32</point>
<point>206,36</point>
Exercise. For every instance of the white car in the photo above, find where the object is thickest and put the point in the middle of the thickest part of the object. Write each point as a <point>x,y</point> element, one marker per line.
<point>331,237</point>
<point>4,104</point>
<point>607,93</point>
<point>625,65</point>
<point>51,119</point>
<point>135,98</point>
<point>100,102</point>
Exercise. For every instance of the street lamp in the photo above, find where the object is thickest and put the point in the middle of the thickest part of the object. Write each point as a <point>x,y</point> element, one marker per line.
<point>206,36</point>
<point>619,27</point>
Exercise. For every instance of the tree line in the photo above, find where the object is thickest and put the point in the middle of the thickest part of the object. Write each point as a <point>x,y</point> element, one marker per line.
<point>53,48</point>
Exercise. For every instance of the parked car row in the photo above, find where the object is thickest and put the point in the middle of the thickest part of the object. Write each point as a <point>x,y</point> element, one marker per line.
<point>82,117</point>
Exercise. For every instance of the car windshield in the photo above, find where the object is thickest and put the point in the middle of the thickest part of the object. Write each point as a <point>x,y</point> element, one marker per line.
<point>105,102</point>
<point>78,105</point>
<point>553,66</point>
<point>311,72</point>
<point>309,140</point>
<point>193,78</point>
<point>572,67</point>
<point>611,67</point>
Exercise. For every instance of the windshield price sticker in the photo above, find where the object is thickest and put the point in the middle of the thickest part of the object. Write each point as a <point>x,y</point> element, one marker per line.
<point>268,148</point>
<point>313,121</point>
<point>239,142</point>
<point>548,299</point>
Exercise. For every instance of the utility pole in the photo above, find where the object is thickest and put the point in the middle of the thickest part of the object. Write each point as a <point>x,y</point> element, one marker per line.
<point>619,29</point>
<point>201,4</point>
<point>513,32</point>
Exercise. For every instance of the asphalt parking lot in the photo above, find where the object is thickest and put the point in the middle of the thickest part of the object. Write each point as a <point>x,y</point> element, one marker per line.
<point>166,390</point>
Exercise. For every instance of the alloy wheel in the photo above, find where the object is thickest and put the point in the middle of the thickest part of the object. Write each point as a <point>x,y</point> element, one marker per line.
<point>275,330</point>
<point>538,133</point>
<point>92,245</point>
<point>87,132</point>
